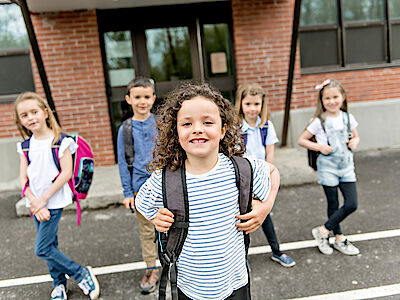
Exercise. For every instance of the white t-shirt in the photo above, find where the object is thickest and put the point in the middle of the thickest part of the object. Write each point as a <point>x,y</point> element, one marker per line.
<point>331,124</point>
<point>42,170</point>
<point>212,262</point>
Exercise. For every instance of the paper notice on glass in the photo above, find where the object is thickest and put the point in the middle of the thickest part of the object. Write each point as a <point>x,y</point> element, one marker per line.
<point>218,62</point>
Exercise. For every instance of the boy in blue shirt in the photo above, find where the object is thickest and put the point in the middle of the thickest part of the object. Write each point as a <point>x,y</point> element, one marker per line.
<point>141,96</point>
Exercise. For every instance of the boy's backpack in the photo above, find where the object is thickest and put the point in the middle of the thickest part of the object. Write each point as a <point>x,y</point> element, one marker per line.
<point>82,168</point>
<point>263,133</point>
<point>313,155</point>
<point>128,143</point>
<point>175,198</point>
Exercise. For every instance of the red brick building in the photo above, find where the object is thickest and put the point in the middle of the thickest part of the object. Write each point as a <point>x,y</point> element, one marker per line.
<point>90,53</point>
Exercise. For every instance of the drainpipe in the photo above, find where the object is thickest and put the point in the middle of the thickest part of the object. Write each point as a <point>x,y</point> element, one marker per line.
<point>36,52</point>
<point>295,31</point>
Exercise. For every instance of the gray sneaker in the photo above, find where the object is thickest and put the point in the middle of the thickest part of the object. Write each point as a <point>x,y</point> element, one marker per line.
<point>322,242</point>
<point>346,247</point>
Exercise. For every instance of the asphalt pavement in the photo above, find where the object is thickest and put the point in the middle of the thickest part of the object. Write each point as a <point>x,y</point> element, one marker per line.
<point>108,240</point>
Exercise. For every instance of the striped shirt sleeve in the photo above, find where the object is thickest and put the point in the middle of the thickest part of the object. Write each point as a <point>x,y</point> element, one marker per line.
<point>149,198</point>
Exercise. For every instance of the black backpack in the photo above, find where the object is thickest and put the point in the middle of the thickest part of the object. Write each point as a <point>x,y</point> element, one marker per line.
<point>175,199</point>
<point>128,143</point>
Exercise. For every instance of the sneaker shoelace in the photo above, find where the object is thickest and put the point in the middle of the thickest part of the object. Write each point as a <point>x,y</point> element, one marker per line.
<point>58,291</point>
<point>86,284</point>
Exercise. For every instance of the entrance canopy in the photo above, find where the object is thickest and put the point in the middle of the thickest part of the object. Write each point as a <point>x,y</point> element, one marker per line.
<point>59,5</point>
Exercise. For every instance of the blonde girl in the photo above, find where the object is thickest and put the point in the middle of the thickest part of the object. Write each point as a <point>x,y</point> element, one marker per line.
<point>259,138</point>
<point>336,135</point>
<point>47,190</point>
<point>198,128</point>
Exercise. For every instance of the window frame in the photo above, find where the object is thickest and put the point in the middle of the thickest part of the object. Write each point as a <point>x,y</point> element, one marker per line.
<point>342,26</point>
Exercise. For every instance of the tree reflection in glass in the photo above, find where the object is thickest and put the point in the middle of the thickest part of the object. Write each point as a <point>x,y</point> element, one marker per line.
<point>169,53</point>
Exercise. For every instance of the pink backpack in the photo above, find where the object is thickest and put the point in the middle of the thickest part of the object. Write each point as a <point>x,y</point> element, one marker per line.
<point>83,168</point>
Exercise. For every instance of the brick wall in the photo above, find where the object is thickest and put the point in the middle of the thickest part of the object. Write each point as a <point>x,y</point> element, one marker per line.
<point>262,36</point>
<point>69,44</point>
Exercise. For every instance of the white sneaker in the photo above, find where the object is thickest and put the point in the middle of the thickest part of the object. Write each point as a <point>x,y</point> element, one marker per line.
<point>59,293</point>
<point>346,247</point>
<point>89,284</point>
<point>322,242</point>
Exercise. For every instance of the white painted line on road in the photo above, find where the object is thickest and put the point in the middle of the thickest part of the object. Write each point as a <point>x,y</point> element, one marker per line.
<point>312,243</point>
<point>252,251</point>
<point>368,293</point>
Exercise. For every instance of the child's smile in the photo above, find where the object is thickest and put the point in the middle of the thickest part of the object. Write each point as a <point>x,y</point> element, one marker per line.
<point>200,128</point>
<point>332,100</point>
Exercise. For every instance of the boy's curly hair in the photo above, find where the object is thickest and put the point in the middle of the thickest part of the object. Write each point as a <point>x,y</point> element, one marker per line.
<point>168,151</point>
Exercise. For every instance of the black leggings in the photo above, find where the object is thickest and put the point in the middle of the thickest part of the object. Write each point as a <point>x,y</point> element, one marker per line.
<point>336,214</point>
<point>269,231</point>
<point>241,294</point>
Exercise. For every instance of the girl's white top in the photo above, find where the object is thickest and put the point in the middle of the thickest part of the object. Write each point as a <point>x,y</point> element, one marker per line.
<point>212,263</point>
<point>331,124</point>
<point>254,146</point>
<point>42,170</point>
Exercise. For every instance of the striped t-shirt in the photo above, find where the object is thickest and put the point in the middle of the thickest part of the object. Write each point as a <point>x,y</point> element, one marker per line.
<point>212,262</point>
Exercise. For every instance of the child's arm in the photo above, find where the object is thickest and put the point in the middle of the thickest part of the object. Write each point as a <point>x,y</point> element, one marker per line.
<point>304,141</point>
<point>65,174</point>
<point>163,220</point>
<point>355,140</point>
<point>42,214</point>
<point>269,152</point>
<point>261,209</point>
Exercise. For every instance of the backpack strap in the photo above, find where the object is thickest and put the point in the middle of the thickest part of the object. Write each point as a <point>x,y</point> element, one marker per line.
<point>244,183</point>
<point>264,133</point>
<point>71,182</point>
<point>323,128</point>
<point>128,143</point>
<point>25,148</point>
<point>175,198</point>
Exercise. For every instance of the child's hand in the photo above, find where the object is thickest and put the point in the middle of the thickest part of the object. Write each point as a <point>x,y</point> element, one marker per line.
<point>325,149</point>
<point>353,143</point>
<point>37,204</point>
<point>163,220</point>
<point>127,201</point>
<point>255,218</point>
<point>43,214</point>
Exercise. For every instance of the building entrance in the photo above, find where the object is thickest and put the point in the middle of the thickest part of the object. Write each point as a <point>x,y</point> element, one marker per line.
<point>170,44</point>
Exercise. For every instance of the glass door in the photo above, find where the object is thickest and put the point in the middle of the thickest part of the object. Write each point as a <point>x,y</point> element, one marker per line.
<point>178,43</point>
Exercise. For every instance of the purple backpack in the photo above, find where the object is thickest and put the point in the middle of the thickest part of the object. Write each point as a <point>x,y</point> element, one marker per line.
<point>82,167</point>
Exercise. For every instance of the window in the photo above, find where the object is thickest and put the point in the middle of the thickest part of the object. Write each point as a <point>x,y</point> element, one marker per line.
<point>16,70</point>
<point>348,33</point>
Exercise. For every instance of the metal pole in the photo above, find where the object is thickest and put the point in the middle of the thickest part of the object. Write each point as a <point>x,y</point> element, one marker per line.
<point>36,52</point>
<point>292,60</point>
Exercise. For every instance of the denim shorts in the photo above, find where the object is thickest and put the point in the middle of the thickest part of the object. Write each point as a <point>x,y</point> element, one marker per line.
<point>335,169</point>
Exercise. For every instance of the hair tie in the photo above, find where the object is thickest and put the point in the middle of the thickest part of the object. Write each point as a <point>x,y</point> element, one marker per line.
<point>322,85</point>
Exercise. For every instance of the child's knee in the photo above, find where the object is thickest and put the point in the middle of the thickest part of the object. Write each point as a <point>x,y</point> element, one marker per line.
<point>351,207</point>
<point>41,252</point>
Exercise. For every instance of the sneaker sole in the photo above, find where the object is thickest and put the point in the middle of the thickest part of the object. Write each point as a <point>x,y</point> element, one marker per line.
<point>96,293</point>
<point>345,253</point>
<point>282,263</point>
<point>145,292</point>
<point>316,238</point>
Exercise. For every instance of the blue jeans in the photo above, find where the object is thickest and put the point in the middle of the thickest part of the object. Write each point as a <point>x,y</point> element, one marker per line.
<point>46,248</point>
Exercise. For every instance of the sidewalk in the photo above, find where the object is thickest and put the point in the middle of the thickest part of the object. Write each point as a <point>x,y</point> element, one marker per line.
<point>106,188</point>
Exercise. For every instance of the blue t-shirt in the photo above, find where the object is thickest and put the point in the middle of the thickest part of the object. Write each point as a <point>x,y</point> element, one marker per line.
<point>144,133</point>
